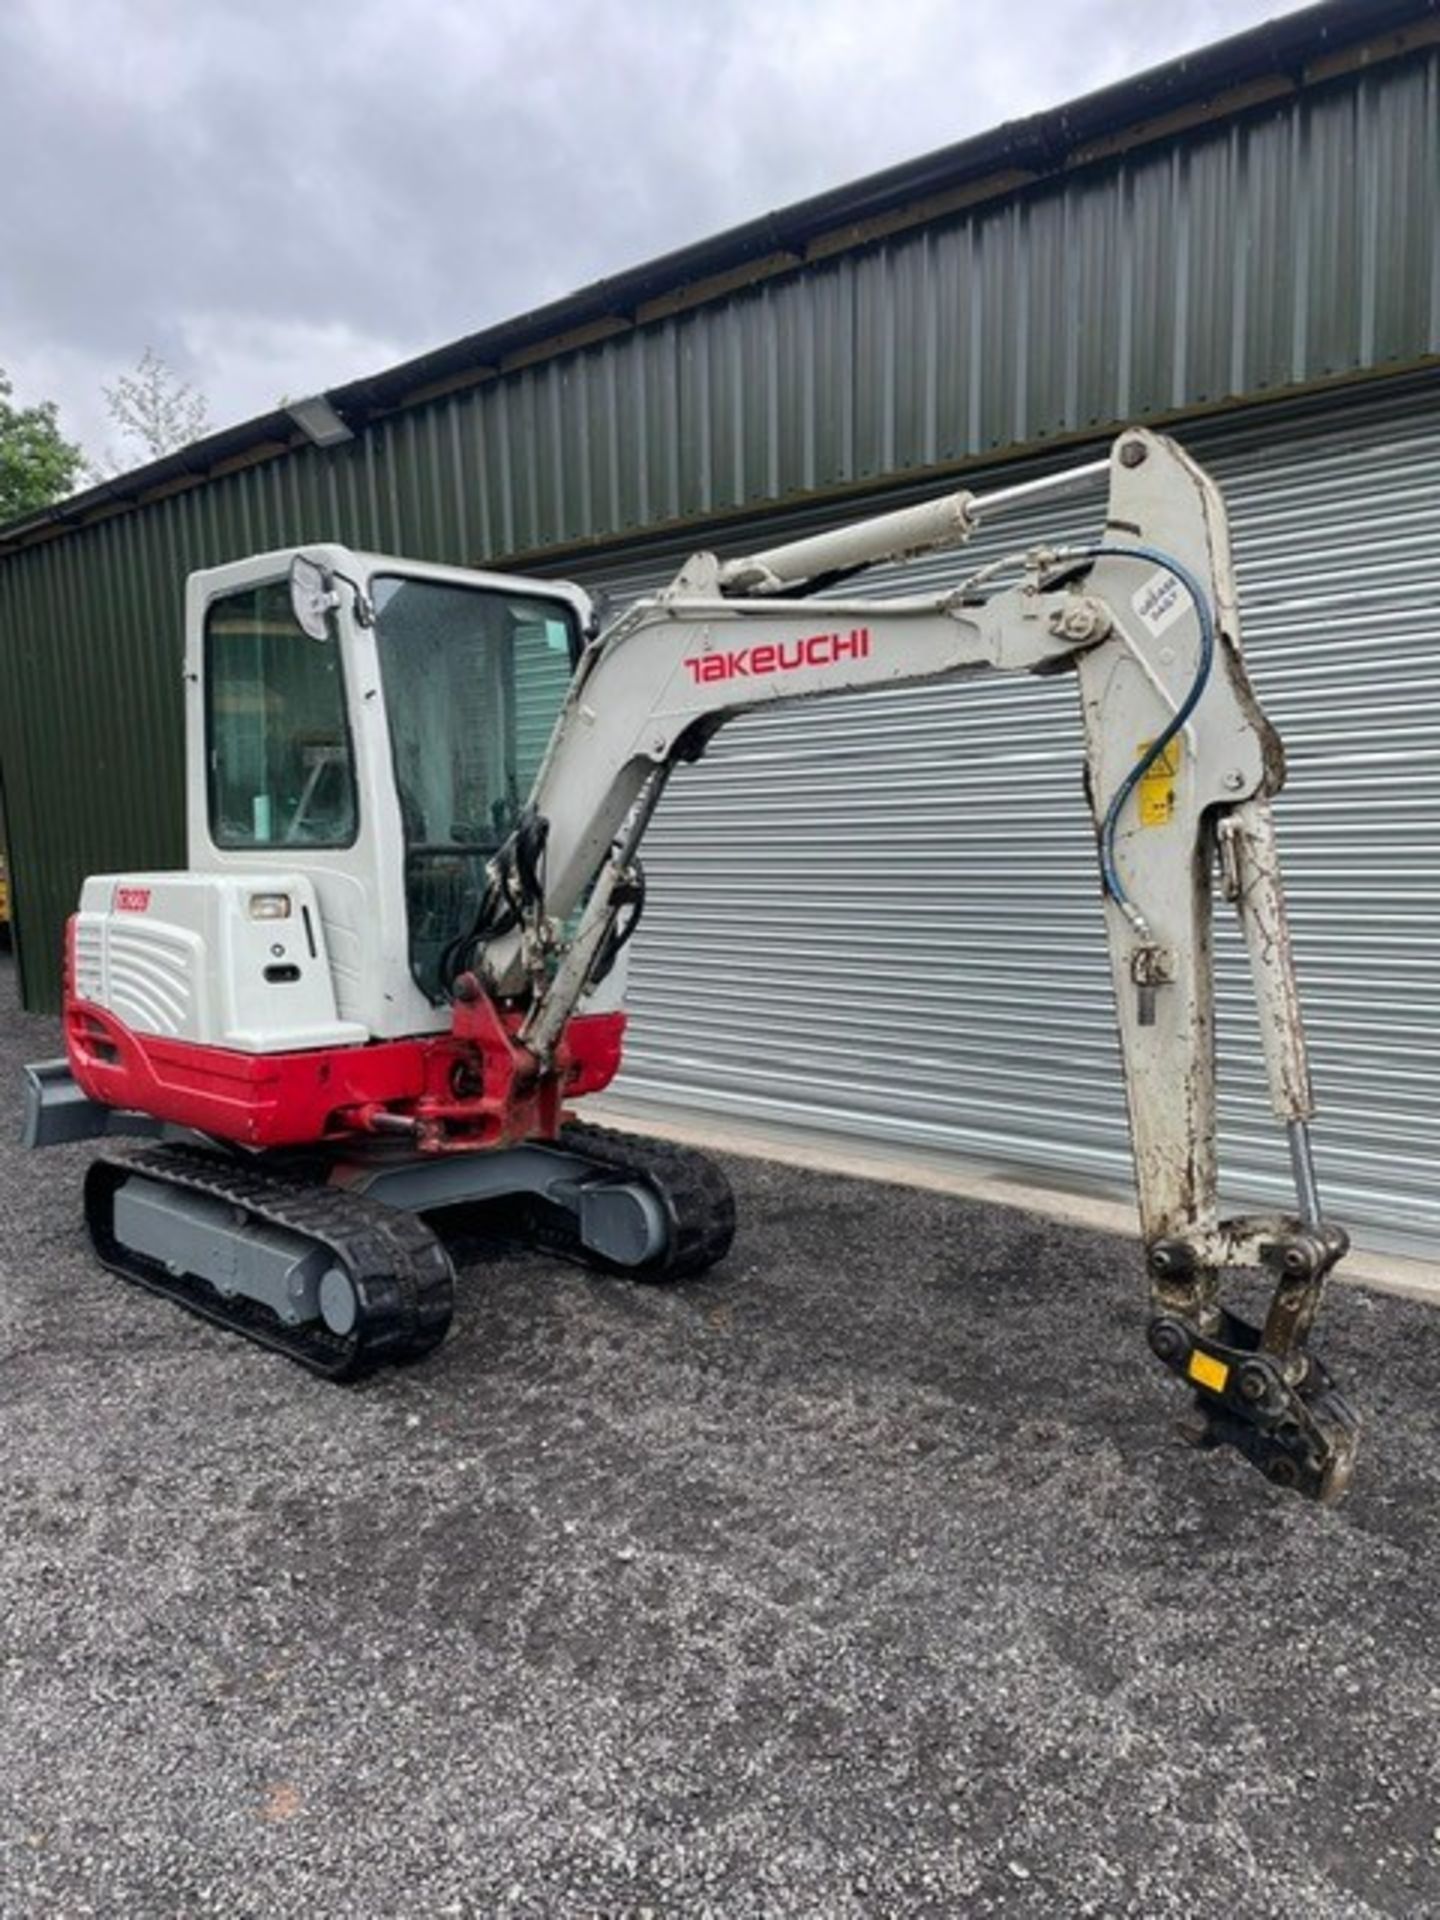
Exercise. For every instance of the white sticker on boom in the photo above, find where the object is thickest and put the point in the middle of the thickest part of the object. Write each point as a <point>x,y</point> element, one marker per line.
<point>1160,601</point>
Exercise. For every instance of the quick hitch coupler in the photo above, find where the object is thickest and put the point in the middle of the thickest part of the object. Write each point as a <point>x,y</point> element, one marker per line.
<point>1259,1389</point>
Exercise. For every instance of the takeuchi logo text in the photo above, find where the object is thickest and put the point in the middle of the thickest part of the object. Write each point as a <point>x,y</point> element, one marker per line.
<point>779,656</point>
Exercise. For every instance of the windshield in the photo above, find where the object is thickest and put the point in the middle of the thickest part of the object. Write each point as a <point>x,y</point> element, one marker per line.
<point>473,680</point>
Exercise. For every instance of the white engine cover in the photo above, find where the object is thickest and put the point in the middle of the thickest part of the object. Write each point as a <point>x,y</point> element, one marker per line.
<point>183,955</point>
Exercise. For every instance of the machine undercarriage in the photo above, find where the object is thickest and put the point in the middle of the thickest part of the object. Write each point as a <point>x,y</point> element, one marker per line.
<point>343,1265</point>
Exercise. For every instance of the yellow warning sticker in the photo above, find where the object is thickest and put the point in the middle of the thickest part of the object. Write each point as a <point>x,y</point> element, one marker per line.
<point>1208,1372</point>
<point>1157,785</point>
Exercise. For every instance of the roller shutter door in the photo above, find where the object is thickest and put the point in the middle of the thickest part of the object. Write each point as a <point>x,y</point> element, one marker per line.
<point>878,916</point>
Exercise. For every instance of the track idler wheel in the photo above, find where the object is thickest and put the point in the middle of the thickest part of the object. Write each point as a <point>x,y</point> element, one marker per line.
<point>688,1191</point>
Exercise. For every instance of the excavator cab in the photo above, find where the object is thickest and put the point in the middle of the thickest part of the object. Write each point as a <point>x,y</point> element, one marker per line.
<point>375,725</point>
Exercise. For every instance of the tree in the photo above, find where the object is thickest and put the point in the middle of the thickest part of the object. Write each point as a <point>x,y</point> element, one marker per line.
<point>38,464</point>
<point>155,409</point>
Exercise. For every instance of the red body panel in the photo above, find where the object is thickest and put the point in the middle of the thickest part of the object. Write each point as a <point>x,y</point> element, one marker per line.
<point>456,1092</point>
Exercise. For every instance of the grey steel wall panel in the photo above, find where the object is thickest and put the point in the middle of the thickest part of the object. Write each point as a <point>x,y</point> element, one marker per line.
<point>880,916</point>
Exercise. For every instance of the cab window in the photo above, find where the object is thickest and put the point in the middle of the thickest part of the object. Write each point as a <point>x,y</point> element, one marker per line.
<point>281,769</point>
<point>474,678</point>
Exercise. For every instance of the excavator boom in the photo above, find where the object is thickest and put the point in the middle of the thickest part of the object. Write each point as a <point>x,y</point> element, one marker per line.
<point>1181,765</point>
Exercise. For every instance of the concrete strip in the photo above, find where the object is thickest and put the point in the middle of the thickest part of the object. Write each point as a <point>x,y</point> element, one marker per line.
<point>1413,1279</point>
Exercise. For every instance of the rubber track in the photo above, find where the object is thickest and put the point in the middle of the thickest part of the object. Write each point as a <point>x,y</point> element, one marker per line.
<point>693,1190</point>
<point>401,1273</point>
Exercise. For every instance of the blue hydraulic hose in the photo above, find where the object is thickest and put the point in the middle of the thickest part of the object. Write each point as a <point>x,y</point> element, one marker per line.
<point>1114,885</point>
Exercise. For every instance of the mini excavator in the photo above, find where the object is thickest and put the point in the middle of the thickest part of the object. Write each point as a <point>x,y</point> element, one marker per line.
<point>415,805</point>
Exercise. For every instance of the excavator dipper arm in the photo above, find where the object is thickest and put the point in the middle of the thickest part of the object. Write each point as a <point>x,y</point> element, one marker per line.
<point>1181,765</point>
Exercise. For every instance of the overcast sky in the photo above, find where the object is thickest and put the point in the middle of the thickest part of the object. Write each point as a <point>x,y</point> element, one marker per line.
<point>281,195</point>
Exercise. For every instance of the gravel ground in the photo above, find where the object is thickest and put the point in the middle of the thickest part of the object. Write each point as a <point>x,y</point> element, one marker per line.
<point>864,1577</point>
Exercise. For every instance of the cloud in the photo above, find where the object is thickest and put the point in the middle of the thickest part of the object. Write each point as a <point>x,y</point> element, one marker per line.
<point>281,197</point>
<point>283,359</point>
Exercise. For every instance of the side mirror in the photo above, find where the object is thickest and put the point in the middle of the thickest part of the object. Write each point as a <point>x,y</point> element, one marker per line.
<point>602,605</point>
<point>312,596</point>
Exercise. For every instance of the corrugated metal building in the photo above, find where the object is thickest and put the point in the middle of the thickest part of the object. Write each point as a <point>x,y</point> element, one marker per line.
<point>1244,245</point>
